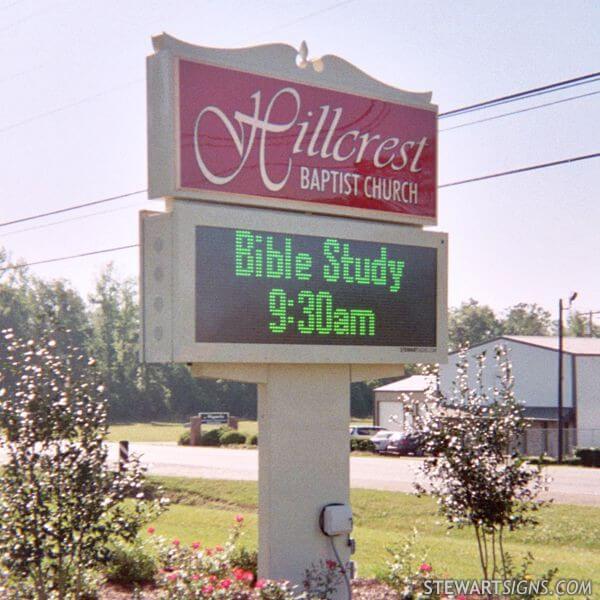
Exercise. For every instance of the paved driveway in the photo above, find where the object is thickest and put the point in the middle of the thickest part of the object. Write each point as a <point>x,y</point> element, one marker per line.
<point>570,485</point>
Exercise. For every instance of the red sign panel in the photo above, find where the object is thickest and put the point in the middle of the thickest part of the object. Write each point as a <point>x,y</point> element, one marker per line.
<point>253,135</point>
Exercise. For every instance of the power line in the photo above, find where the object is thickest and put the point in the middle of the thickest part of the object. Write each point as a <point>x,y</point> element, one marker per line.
<point>453,183</point>
<point>482,178</point>
<point>61,258</point>
<point>64,107</point>
<point>69,208</point>
<point>305,17</point>
<point>520,95</point>
<point>131,82</point>
<point>79,218</point>
<point>516,112</point>
<point>522,170</point>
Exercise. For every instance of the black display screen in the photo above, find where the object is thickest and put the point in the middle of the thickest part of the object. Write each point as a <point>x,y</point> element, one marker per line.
<point>261,287</point>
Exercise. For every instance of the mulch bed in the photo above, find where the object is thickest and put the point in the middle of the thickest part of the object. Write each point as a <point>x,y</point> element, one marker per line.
<point>118,592</point>
<point>362,589</point>
<point>371,589</point>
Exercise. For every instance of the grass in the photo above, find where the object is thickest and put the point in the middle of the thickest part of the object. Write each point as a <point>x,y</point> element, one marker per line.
<point>568,537</point>
<point>163,432</point>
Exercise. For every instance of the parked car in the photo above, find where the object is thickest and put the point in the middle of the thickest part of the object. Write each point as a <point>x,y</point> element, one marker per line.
<point>364,432</point>
<point>401,443</point>
<point>380,440</point>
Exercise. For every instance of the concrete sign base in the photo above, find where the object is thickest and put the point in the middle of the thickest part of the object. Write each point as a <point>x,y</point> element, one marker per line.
<point>303,456</point>
<point>303,416</point>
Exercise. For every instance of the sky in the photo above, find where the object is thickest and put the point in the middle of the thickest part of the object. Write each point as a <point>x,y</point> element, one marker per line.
<point>73,124</point>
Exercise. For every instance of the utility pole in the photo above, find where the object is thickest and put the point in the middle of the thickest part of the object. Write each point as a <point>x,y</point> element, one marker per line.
<point>591,316</point>
<point>560,373</point>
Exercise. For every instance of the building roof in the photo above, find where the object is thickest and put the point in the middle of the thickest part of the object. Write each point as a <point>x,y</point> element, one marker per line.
<point>579,346</point>
<point>415,383</point>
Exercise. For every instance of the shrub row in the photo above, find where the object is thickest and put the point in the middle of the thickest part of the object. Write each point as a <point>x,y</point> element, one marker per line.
<point>362,445</point>
<point>222,436</point>
<point>590,457</point>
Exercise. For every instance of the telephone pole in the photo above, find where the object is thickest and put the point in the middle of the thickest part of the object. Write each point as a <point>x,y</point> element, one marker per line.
<point>560,372</point>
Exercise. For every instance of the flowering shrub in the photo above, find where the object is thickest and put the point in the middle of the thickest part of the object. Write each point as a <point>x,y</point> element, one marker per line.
<point>195,572</point>
<point>61,505</point>
<point>406,572</point>
<point>190,572</point>
<point>474,470</point>
<point>322,580</point>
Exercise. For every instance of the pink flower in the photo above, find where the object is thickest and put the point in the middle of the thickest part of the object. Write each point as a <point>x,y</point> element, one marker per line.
<point>425,567</point>
<point>212,578</point>
<point>150,530</point>
<point>461,597</point>
<point>196,545</point>
<point>225,583</point>
<point>176,543</point>
<point>208,552</point>
<point>207,589</point>
<point>239,518</point>
<point>172,576</point>
<point>195,577</point>
<point>331,564</point>
<point>249,576</point>
<point>219,548</point>
<point>238,574</point>
<point>260,584</point>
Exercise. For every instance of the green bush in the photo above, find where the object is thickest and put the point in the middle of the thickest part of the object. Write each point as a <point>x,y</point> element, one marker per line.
<point>590,457</point>
<point>232,437</point>
<point>130,564</point>
<point>252,439</point>
<point>362,445</point>
<point>184,439</point>
<point>213,437</point>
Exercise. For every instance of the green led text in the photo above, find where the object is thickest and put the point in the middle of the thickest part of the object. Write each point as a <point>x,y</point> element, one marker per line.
<point>318,315</point>
<point>259,255</point>
<point>255,257</point>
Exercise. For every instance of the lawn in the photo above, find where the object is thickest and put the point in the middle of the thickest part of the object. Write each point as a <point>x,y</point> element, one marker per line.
<point>162,432</point>
<point>568,537</point>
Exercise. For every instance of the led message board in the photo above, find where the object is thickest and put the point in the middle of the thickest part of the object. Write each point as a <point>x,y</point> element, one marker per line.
<point>223,284</point>
<point>250,126</point>
<point>274,288</point>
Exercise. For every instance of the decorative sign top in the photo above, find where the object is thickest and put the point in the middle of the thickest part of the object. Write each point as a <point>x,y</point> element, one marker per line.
<point>255,126</point>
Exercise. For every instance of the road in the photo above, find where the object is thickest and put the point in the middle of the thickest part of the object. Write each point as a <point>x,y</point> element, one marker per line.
<point>570,485</point>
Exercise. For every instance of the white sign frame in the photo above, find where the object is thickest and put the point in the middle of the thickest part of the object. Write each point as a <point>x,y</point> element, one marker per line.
<point>168,286</point>
<point>278,61</point>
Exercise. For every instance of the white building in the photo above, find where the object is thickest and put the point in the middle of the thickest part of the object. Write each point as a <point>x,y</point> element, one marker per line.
<point>396,404</point>
<point>535,368</point>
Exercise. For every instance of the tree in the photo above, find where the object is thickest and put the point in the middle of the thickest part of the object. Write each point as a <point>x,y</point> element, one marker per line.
<point>56,305</point>
<point>15,307</point>
<point>474,470</point>
<point>526,319</point>
<point>578,325</point>
<point>60,502</point>
<point>115,340</point>
<point>472,323</point>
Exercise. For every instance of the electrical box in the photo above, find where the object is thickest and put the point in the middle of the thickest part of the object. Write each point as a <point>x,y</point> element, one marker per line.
<point>336,519</point>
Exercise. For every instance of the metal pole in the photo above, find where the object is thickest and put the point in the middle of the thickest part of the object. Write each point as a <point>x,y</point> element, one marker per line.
<point>123,454</point>
<point>560,378</point>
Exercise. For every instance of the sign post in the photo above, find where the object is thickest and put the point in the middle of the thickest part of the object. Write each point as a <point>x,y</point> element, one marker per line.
<point>303,416</point>
<point>291,255</point>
